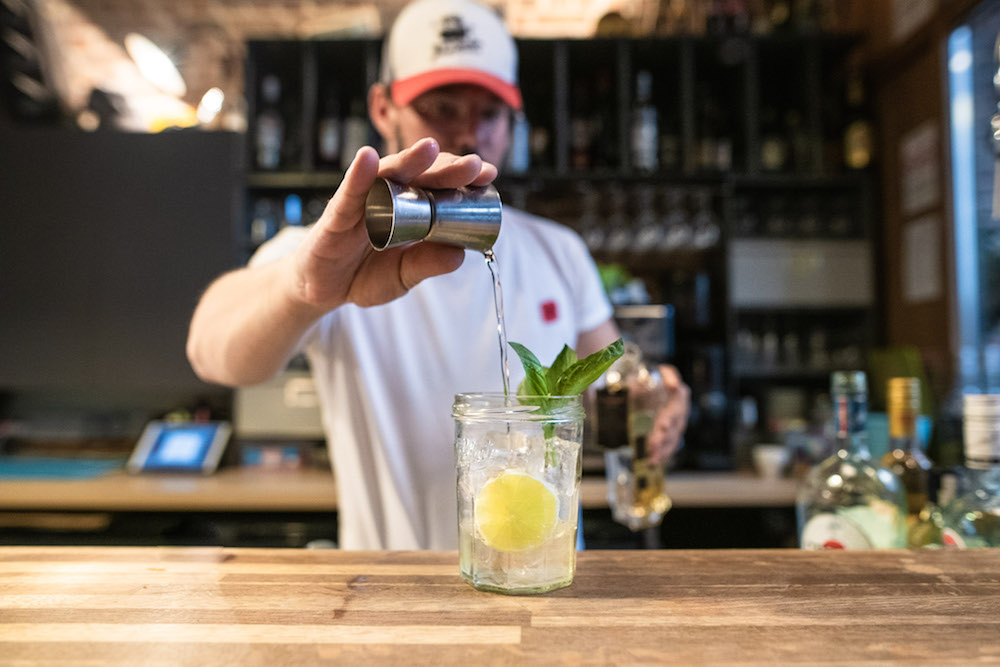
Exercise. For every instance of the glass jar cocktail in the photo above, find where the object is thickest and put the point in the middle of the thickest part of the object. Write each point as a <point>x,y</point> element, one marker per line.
<point>519,466</point>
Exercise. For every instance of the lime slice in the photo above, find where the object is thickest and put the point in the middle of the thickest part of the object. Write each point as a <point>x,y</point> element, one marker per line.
<point>515,512</point>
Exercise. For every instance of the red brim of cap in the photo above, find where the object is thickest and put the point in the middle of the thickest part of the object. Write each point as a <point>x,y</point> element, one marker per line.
<point>406,90</point>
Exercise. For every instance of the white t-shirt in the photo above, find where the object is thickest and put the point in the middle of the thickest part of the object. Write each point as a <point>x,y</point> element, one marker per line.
<point>387,375</point>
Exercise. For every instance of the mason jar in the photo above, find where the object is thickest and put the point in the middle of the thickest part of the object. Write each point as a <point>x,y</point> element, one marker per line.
<point>519,465</point>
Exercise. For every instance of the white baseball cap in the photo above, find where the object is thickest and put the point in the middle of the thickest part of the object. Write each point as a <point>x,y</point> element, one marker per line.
<point>437,43</point>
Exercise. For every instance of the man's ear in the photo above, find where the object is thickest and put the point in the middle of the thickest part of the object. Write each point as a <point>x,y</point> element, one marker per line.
<point>382,111</point>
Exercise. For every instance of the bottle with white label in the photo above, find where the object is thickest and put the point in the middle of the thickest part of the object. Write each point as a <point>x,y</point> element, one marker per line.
<point>270,127</point>
<point>972,519</point>
<point>906,458</point>
<point>645,127</point>
<point>847,501</point>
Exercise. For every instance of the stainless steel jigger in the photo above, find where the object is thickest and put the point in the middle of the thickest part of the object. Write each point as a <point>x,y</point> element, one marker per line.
<point>396,214</point>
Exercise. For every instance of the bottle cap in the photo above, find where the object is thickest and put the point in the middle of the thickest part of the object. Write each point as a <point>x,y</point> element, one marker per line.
<point>904,405</point>
<point>848,382</point>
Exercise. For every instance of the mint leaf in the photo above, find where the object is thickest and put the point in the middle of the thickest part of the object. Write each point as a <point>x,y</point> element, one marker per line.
<point>577,377</point>
<point>534,383</point>
<point>566,358</point>
<point>567,376</point>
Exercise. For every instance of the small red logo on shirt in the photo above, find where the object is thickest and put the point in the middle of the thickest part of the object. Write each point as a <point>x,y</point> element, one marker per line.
<point>550,313</point>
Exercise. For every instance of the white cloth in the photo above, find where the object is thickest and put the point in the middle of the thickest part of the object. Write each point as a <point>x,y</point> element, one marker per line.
<point>387,375</point>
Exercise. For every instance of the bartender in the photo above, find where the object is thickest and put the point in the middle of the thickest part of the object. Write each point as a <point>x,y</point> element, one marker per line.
<point>392,336</point>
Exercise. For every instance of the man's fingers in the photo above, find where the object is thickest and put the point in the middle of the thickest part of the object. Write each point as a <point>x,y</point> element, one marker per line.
<point>424,165</point>
<point>389,274</point>
<point>451,171</point>
<point>348,203</point>
<point>409,163</point>
<point>486,176</point>
<point>425,260</point>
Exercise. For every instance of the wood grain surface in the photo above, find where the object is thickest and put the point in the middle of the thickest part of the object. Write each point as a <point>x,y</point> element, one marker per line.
<point>211,606</point>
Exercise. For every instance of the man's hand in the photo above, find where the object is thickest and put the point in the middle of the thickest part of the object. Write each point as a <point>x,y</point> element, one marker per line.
<point>671,421</point>
<point>249,321</point>
<point>336,263</point>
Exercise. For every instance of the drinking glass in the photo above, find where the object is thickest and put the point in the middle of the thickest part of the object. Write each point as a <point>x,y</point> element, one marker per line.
<point>519,466</point>
<point>636,489</point>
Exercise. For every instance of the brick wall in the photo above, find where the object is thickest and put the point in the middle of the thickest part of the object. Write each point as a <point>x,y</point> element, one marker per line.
<point>204,38</point>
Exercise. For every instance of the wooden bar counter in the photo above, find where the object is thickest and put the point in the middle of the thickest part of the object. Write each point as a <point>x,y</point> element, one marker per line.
<point>215,606</point>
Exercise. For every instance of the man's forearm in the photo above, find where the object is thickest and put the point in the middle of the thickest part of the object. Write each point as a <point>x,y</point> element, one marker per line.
<point>247,325</point>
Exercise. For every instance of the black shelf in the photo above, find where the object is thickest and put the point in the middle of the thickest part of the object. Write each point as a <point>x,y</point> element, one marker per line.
<point>290,180</point>
<point>798,309</point>
<point>764,374</point>
<point>730,79</point>
<point>806,181</point>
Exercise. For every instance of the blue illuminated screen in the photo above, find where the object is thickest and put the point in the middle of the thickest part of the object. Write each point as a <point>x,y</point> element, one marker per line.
<point>181,446</point>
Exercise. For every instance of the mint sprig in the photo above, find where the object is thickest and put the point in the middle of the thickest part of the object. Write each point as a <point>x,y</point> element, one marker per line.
<point>567,376</point>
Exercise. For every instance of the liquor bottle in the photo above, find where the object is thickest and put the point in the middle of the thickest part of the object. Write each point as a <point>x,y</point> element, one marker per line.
<point>905,458</point>
<point>519,156</point>
<point>270,134</point>
<point>328,130</point>
<point>972,519</point>
<point>627,407</point>
<point>714,148</point>
<point>540,144</point>
<point>645,130</point>
<point>265,221</point>
<point>355,133</point>
<point>650,500</point>
<point>581,125</point>
<point>859,138</point>
<point>773,143</point>
<point>846,502</point>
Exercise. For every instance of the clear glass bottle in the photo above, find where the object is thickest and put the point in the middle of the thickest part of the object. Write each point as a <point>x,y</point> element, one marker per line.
<point>355,129</point>
<point>972,519</point>
<point>329,129</point>
<point>846,501</point>
<point>270,127</point>
<point>627,407</point>
<point>905,457</point>
<point>859,142</point>
<point>645,127</point>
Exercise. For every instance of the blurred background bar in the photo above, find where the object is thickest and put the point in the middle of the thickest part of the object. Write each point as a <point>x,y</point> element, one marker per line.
<point>773,190</point>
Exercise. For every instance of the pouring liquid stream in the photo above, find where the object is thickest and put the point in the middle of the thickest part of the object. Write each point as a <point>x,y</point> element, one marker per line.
<point>491,264</point>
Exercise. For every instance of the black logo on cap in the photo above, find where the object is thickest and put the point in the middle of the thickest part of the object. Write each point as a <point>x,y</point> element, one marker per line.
<point>455,37</point>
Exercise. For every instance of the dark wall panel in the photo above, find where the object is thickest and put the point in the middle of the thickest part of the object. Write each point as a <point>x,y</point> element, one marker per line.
<point>106,242</point>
